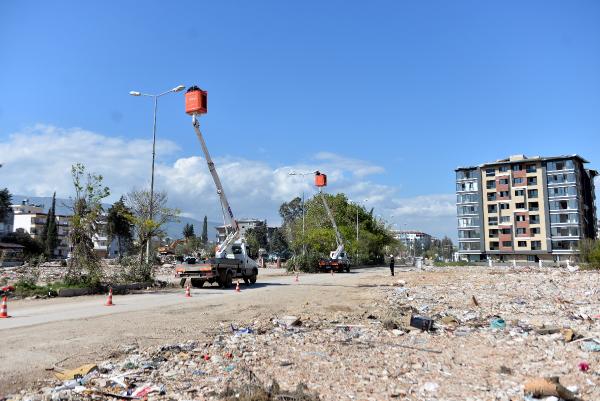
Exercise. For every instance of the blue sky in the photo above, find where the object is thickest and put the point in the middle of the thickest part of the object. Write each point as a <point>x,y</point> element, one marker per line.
<point>409,89</point>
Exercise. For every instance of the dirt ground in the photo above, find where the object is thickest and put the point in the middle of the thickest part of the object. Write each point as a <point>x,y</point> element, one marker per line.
<point>354,341</point>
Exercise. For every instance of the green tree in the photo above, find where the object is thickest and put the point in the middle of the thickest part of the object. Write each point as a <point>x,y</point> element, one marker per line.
<point>118,225</point>
<point>319,238</point>
<point>50,234</point>
<point>188,231</point>
<point>33,247</point>
<point>256,238</point>
<point>5,201</point>
<point>204,236</point>
<point>84,265</point>
<point>277,242</point>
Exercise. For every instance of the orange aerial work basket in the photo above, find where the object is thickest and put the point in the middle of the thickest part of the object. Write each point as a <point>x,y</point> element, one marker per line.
<point>196,101</point>
<point>320,179</point>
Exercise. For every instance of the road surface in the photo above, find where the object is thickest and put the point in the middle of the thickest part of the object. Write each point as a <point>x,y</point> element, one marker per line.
<point>70,331</point>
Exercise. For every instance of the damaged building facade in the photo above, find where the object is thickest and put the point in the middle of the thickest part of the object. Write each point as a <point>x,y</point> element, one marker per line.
<point>525,208</point>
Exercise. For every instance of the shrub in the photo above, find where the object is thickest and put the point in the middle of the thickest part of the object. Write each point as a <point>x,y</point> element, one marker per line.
<point>308,263</point>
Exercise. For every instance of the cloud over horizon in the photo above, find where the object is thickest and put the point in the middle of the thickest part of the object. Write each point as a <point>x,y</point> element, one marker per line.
<point>37,162</point>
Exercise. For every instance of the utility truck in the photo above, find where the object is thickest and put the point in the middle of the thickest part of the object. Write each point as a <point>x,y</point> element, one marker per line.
<point>338,259</point>
<point>231,259</point>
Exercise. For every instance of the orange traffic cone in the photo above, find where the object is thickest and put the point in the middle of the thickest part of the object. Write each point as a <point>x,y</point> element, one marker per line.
<point>109,299</point>
<point>237,286</point>
<point>188,294</point>
<point>3,309</point>
<point>296,279</point>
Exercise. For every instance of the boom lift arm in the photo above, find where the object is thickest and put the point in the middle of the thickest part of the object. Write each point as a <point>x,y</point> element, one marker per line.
<point>338,237</point>
<point>234,234</point>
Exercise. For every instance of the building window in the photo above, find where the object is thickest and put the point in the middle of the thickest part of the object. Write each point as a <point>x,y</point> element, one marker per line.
<point>503,169</point>
<point>517,167</point>
<point>493,221</point>
<point>503,194</point>
<point>531,180</point>
<point>520,205</point>
<point>534,206</point>
<point>503,181</point>
<point>493,208</point>
<point>534,230</point>
<point>534,219</point>
<point>565,231</point>
<point>507,244</point>
<point>491,196</point>
<point>536,245</point>
<point>519,192</point>
<point>493,233</point>
<point>521,244</point>
<point>565,245</point>
<point>505,231</point>
<point>520,217</point>
<point>490,172</point>
<point>518,181</point>
<point>521,231</point>
<point>504,206</point>
<point>531,168</point>
<point>505,219</point>
<point>570,218</point>
<point>490,184</point>
<point>494,245</point>
<point>532,193</point>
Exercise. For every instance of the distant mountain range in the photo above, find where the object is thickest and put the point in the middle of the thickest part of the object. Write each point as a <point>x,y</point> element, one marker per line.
<point>174,229</point>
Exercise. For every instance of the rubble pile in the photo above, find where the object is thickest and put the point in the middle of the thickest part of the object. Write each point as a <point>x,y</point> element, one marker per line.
<point>457,334</point>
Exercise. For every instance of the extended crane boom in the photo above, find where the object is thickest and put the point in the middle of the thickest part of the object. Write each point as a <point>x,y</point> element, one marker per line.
<point>338,237</point>
<point>338,260</point>
<point>234,234</point>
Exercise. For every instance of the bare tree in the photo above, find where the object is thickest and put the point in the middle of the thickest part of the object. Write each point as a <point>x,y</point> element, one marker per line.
<point>138,201</point>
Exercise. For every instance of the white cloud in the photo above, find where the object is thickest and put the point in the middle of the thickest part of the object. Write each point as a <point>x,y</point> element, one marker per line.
<point>37,162</point>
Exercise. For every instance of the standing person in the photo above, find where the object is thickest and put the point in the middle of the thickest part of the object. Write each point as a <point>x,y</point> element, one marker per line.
<point>392,264</point>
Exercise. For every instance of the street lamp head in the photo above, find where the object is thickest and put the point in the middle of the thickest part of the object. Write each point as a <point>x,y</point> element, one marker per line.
<point>178,88</point>
<point>134,93</point>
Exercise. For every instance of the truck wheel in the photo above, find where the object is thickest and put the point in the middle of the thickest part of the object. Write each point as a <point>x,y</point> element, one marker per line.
<point>197,283</point>
<point>253,277</point>
<point>226,283</point>
<point>347,268</point>
<point>246,280</point>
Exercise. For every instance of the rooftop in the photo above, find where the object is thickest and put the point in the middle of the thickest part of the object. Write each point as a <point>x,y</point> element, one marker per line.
<point>523,158</point>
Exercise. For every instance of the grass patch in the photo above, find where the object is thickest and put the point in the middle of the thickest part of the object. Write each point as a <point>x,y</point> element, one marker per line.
<point>25,288</point>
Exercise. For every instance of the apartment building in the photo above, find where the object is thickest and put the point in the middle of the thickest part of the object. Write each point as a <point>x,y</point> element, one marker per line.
<point>525,208</point>
<point>30,218</point>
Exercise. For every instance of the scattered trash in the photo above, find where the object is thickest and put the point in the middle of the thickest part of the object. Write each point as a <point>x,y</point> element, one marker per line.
<point>290,321</point>
<point>76,373</point>
<point>591,345</point>
<point>497,323</point>
<point>583,366</point>
<point>422,323</point>
<point>449,320</point>
<point>548,387</point>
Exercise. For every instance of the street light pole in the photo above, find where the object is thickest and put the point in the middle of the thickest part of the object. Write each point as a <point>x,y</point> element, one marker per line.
<point>151,201</point>
<point>303,211</point>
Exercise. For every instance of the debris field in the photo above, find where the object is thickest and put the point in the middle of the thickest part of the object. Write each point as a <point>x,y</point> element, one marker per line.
<point>460,333</point>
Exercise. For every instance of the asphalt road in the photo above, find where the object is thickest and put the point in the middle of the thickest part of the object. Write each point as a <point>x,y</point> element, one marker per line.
<point>68,332</point>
